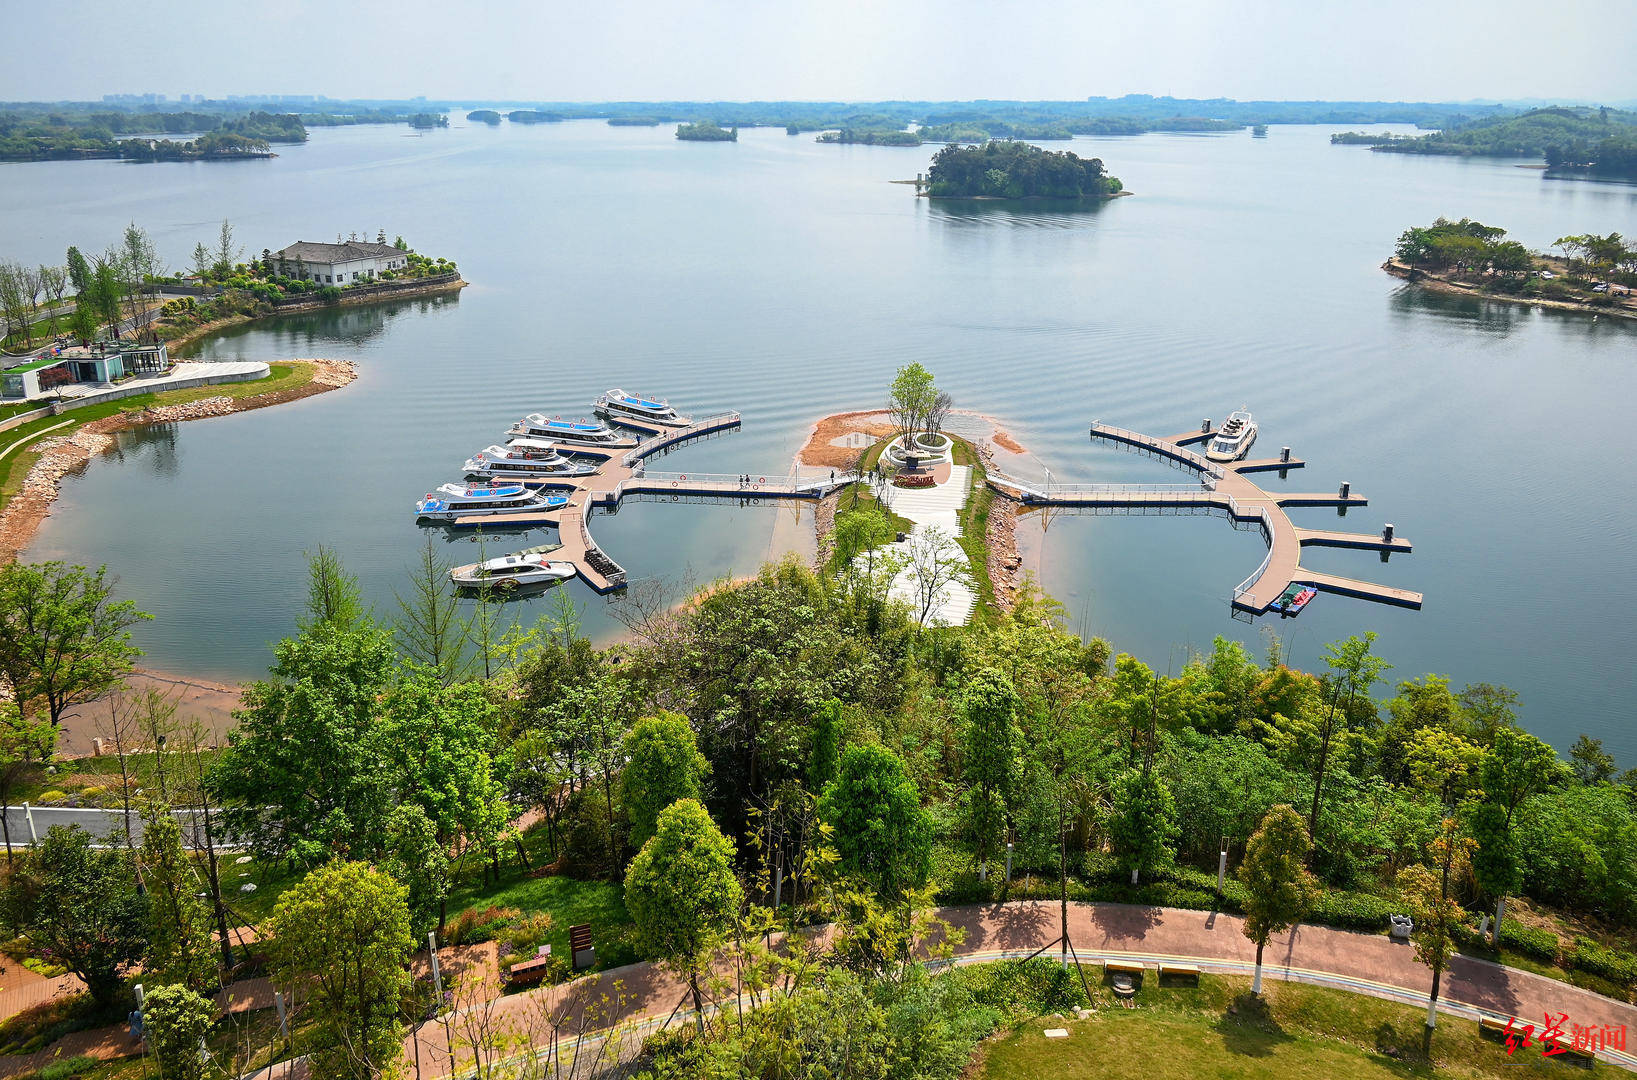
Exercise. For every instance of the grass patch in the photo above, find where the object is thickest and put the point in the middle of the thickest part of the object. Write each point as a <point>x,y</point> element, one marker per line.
<point>974,538</point>
<point>569,902</point>
<point>1216,1029</point>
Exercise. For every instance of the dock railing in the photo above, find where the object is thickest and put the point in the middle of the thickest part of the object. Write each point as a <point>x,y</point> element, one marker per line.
<point>1047,492</point>
<point>704,425</point>
<point>1180,454</point>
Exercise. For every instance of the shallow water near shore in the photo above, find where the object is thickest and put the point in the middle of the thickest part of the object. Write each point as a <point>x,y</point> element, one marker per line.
<point>789,280</point>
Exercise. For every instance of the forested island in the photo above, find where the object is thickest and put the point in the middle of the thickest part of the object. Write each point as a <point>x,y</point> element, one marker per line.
<point>531,116</point>
<point>1006,169</point>
<point>871,138</point>
<point>1600,141</point>
<point>1597,272</point>
<point>706,131</point>
<point>97,135</point>
<point>483,116</point>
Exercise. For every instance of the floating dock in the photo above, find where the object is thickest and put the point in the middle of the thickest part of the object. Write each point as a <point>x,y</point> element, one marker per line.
<point>1225,488</point>
<point>627,476</point>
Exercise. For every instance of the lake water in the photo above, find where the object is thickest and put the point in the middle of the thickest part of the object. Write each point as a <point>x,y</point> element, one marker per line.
<point>789,280</point>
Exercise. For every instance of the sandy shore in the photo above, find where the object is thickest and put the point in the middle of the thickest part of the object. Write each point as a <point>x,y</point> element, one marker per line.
<point>60,456</point>
<point>208,703</point>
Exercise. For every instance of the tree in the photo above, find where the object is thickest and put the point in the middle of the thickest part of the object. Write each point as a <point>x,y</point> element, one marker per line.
<point>880,831</point>
<point>64,640</point>
<point>1591,763</point>
<point>333,595</point>
<point>54,280</point>
<point>418,861</point>
<point>79,271</point>
<point>81,904</point>
<point>108,289</point>
<point>428,626</point>
<point>204,263</point>
<point>993,756</point>
<point>302,773</point>
<point>342,934</point>
<point>936,565</point>
<point>1516,766</point>
<point>23,742</point>
<point>663,764</point>
<point>179,946</point>
<point>140,261</point>
<point>227,251</point>
<point>1435,913</point>
<point>14,302</point>
<point>824,755</point>
<point>1354,670</point>
<point>175,1021</point>
<point>1142,822</point>
<point>682,894</point>
<point>909,400</point>
<point>1281,891</point>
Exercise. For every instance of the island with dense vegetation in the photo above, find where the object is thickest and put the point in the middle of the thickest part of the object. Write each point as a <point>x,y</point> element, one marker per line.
<point>1006,169</point>
<point>706,131</point>
<point>533,116</point>
<point>1592,272</point>
<point>871,138</point>
<point>114,135</point>
<point>483,116</point>
<point>1597,141</point>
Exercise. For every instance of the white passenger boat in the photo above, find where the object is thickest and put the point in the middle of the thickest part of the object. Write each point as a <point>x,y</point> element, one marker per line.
<point>453,501</point>
<point>1235,438</point>
<point>619,402</point>
<point>589,433</point>
<point>532,566</point>
<point>524,459</point>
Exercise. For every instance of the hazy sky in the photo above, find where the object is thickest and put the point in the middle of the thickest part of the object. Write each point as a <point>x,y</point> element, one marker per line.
<point>826,49</point>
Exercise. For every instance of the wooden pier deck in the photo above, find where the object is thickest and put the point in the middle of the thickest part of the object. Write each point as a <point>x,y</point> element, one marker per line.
<point>1225,487</point>
<point>627,474</point>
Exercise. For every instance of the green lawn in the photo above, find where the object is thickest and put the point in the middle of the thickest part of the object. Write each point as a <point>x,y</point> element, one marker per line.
<point>1217,1030</point>
<point>568,901</point>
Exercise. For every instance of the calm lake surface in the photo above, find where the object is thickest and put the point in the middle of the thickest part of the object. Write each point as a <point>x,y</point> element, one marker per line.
<point>789,280</point>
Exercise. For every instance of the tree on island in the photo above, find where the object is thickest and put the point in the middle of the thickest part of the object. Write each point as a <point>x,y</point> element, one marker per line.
<point>915,405</point>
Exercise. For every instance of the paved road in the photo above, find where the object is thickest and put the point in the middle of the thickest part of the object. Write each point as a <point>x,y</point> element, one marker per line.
<point>103,824</point>
<point>1368,964</point>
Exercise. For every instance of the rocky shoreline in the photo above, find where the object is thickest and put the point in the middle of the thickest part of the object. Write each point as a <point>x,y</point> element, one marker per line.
<point>1416,276</point>
<point>63,455</point>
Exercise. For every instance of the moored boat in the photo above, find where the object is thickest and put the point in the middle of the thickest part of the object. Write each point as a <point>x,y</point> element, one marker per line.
<point>531,566</point>
<point>1295,597</point>
<point>453,501</point>
<point>525,458</point>
<point>592,433</point>
<point>1235,438</point>
<point>618,402</point>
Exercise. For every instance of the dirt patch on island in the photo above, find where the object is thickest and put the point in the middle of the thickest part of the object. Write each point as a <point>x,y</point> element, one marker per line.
<point>1004,440</point>
<point>826,445</point>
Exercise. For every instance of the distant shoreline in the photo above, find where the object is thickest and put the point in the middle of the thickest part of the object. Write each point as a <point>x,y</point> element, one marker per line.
<point>1416,276</point>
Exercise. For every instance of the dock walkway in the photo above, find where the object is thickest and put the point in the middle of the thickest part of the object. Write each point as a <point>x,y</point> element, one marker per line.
<point>1225,488</point>
<point>627,476</point>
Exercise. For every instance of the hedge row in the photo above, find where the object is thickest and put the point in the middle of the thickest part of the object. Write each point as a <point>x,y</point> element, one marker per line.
<point>1614,965</point>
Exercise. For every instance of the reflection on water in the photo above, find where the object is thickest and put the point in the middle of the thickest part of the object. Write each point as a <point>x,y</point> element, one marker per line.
<point>1039,213</point>
<point>153,446</point>
<point>352,324</point>
<point>1490,316</point>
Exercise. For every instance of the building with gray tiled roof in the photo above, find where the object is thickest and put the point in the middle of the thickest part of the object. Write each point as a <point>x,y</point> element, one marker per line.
<point>338,264</point>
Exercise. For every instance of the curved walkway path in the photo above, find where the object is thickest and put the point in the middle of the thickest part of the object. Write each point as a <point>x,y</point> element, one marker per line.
<point>1369,964</point>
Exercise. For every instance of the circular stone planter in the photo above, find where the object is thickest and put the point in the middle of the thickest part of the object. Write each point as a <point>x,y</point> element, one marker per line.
<point>929,448</point>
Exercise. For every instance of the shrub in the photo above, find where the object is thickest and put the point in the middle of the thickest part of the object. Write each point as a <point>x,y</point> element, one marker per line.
<point>67,1067</point>
<point>330,294</point>
<point>1353,911</point>
<point>476,925</point>
<point>914,480</point>
<point>1529,941</point>
<point>524,934</point>
<point>51,797</point>
<point>1614,965</point>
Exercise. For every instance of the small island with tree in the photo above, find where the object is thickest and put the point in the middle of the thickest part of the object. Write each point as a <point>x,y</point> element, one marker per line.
<point>484,116</point>
<point>706,131</point>
<point>1004,169</point>
<point>1594,272</point>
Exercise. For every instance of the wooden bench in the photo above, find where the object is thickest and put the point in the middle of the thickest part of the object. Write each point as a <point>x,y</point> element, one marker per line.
<point>1188,972</point>
<point>1492,1028</point>
<point>1573,1055</point>
<point>1123,967</point>
<point>528,972</point>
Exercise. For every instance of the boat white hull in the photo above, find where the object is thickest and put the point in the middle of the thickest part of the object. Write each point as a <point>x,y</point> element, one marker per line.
<point>531,432</point>
<point>469,577</point>
<point>1239,452</point>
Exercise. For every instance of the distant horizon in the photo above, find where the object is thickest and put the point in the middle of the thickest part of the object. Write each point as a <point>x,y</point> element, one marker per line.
<point>142,97</point>
<point>831,50</point>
